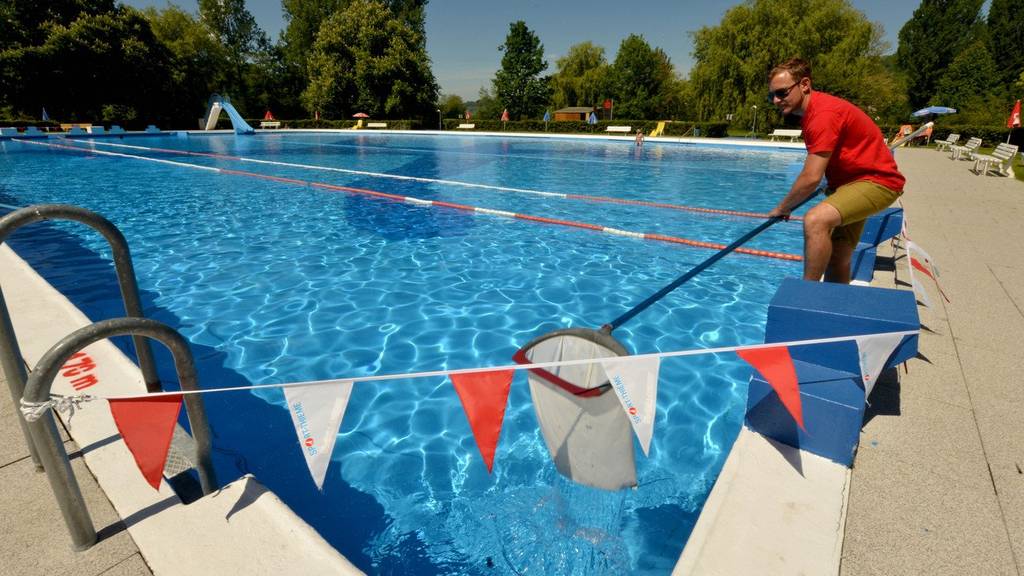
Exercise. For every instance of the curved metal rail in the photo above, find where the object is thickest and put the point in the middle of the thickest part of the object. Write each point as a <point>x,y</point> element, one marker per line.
<point>10,353</point>
<point>51,452</point>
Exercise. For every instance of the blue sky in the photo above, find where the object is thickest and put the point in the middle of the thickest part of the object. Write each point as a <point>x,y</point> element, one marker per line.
<point>463,35</point>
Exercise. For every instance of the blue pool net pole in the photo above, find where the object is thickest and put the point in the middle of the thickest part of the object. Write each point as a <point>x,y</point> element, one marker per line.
<point>607,328</point>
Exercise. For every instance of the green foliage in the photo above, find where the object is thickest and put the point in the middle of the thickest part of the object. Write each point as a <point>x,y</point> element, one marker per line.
<point>102,60</point>
<point>1006,39</point>
<point>367,60</point>
<point>452,106</point>
<point>582,77</point>
<point>709,129</point>
<point>486,106</point>
<point>518,85</point>
<point>732,59</point>
<point>938,31</point>
<point>968,78</point>
<point>642,80</point>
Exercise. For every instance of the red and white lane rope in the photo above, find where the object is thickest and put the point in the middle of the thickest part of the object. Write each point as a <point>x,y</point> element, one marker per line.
<point>433,203</point>
<point>459,183</point>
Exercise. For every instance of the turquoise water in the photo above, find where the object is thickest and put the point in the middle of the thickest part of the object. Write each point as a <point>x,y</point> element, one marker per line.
<point>275,282</point>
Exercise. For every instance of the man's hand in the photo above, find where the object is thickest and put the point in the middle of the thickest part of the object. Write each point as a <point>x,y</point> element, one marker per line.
<point>779,213</point>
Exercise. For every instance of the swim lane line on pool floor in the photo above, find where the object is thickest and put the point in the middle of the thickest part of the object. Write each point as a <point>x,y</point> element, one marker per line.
<point>561,195</point>
<point>434,203</point>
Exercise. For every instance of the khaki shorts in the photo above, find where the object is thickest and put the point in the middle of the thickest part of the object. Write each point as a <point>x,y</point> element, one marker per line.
<point>855,202</point>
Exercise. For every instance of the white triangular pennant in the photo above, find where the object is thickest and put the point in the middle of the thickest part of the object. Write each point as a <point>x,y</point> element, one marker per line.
<point>316,413</point>
<point>635,381</point>
<point>912,247</point>
<point>920,291</point>
<point>874,350</point>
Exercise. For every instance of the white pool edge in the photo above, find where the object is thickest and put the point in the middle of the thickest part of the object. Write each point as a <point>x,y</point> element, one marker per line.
<point>217,534</point>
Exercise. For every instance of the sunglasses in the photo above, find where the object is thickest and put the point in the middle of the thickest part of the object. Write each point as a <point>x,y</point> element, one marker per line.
<point>781,93</point>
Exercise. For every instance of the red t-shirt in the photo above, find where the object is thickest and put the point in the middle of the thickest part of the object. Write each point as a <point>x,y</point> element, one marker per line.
<point>858,148</point>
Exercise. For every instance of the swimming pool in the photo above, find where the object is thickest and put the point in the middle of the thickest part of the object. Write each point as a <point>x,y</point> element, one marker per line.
<point>276,281</point>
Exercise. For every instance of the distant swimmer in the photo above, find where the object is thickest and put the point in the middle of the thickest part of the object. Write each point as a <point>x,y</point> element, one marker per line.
<point>639,137</point>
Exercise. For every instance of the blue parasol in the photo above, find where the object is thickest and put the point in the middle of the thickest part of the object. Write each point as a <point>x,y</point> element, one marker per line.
<point>592,119</point>
<point>933,110</point>
<point>547,116</point>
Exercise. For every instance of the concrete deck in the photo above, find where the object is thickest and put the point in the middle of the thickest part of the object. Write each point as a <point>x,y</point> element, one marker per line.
<point>938,484</point>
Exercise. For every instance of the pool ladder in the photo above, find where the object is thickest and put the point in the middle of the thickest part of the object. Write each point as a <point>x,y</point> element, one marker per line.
<point>41,436</point>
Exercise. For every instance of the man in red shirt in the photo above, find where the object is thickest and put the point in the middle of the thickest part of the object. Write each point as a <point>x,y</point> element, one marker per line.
<point>846,147</point>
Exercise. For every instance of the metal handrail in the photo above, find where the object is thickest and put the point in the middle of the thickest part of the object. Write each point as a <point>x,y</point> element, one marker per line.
<point>10,353</point>
<point>52,453</point>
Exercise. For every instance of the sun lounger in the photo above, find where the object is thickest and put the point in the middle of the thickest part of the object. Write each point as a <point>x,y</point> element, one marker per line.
<point>376,124</point>
<point>76,131</point>
<point>623,129</point>
<point>270,124</point>
<point>950,140</point>
<point>793,135</point>
<point>95,130</point>
<point>8,131</point>
<point>467,126</point>
<point>151,129</point>
<point>33,132</point>
<point>115,129</point>
<point>1000,158</point>
<point>965,152</point>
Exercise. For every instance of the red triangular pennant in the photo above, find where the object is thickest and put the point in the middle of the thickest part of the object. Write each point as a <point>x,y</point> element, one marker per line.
<point>776,366</point>
<point>146,425</point>
<point>484,396</point>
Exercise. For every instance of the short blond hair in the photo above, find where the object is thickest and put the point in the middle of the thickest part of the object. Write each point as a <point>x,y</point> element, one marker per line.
<point>798,69</point>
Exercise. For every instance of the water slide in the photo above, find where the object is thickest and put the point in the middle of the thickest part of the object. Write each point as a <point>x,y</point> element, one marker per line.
<point>214,107</point>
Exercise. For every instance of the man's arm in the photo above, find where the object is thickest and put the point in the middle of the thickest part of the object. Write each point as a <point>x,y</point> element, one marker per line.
<point>805,185</point>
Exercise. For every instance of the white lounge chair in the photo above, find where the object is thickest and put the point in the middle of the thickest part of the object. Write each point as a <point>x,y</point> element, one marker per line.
<point>950,140</point>
<point>115,129</point>
<point>793,135</point>
<point>1000,158</point>
<point>151,129</point>
<point>965,152</point>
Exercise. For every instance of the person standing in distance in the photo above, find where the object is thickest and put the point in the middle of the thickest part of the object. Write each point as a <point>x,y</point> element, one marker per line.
<point>846,147</point>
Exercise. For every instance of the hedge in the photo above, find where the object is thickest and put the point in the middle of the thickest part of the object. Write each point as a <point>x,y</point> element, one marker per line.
<point>712,129</point>
<point>990,135</point>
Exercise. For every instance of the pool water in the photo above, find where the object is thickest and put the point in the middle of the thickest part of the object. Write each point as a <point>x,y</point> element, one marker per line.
<point>275,281</point>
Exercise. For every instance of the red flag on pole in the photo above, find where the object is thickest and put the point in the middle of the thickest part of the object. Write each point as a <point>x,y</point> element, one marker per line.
<point>1014,120</point>
<point>484,396</point>
<point>776,366</point>
<point>147,425</point>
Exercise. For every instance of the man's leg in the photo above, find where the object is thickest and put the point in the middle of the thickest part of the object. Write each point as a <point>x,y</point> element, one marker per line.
<point>839,265</point>
<point>818,225</point>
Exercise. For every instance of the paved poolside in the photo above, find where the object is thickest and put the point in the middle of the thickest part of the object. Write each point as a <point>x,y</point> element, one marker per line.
<point>937,487</point>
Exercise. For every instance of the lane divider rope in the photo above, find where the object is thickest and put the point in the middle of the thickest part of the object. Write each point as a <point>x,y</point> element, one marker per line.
<point>560,195</point>
<point>438,203</point>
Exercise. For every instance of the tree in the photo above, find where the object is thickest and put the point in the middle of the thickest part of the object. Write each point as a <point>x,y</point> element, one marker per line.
<point>198,61</point>
<point>518,85</point>
<point>641,78</point>
<point>452,106</point>
<point>732,59</point>
<point>487,106</point>
<point>117,68</point>
<point>931,39</point>
<point>1006,38</point>
<point>365,59</point>
<point>968,76</point>
<point>242,38</point>
<point>582,76</point>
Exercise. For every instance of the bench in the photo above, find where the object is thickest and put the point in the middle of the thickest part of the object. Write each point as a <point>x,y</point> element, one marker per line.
<point>270,124</point>
<point>793,135</point>
<point>376,124</point>
<point>1001,158</point>
<point>466,126</point>
<point>622,129</point>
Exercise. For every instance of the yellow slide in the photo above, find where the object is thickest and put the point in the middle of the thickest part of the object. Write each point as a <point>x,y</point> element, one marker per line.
<point>657,131</point>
